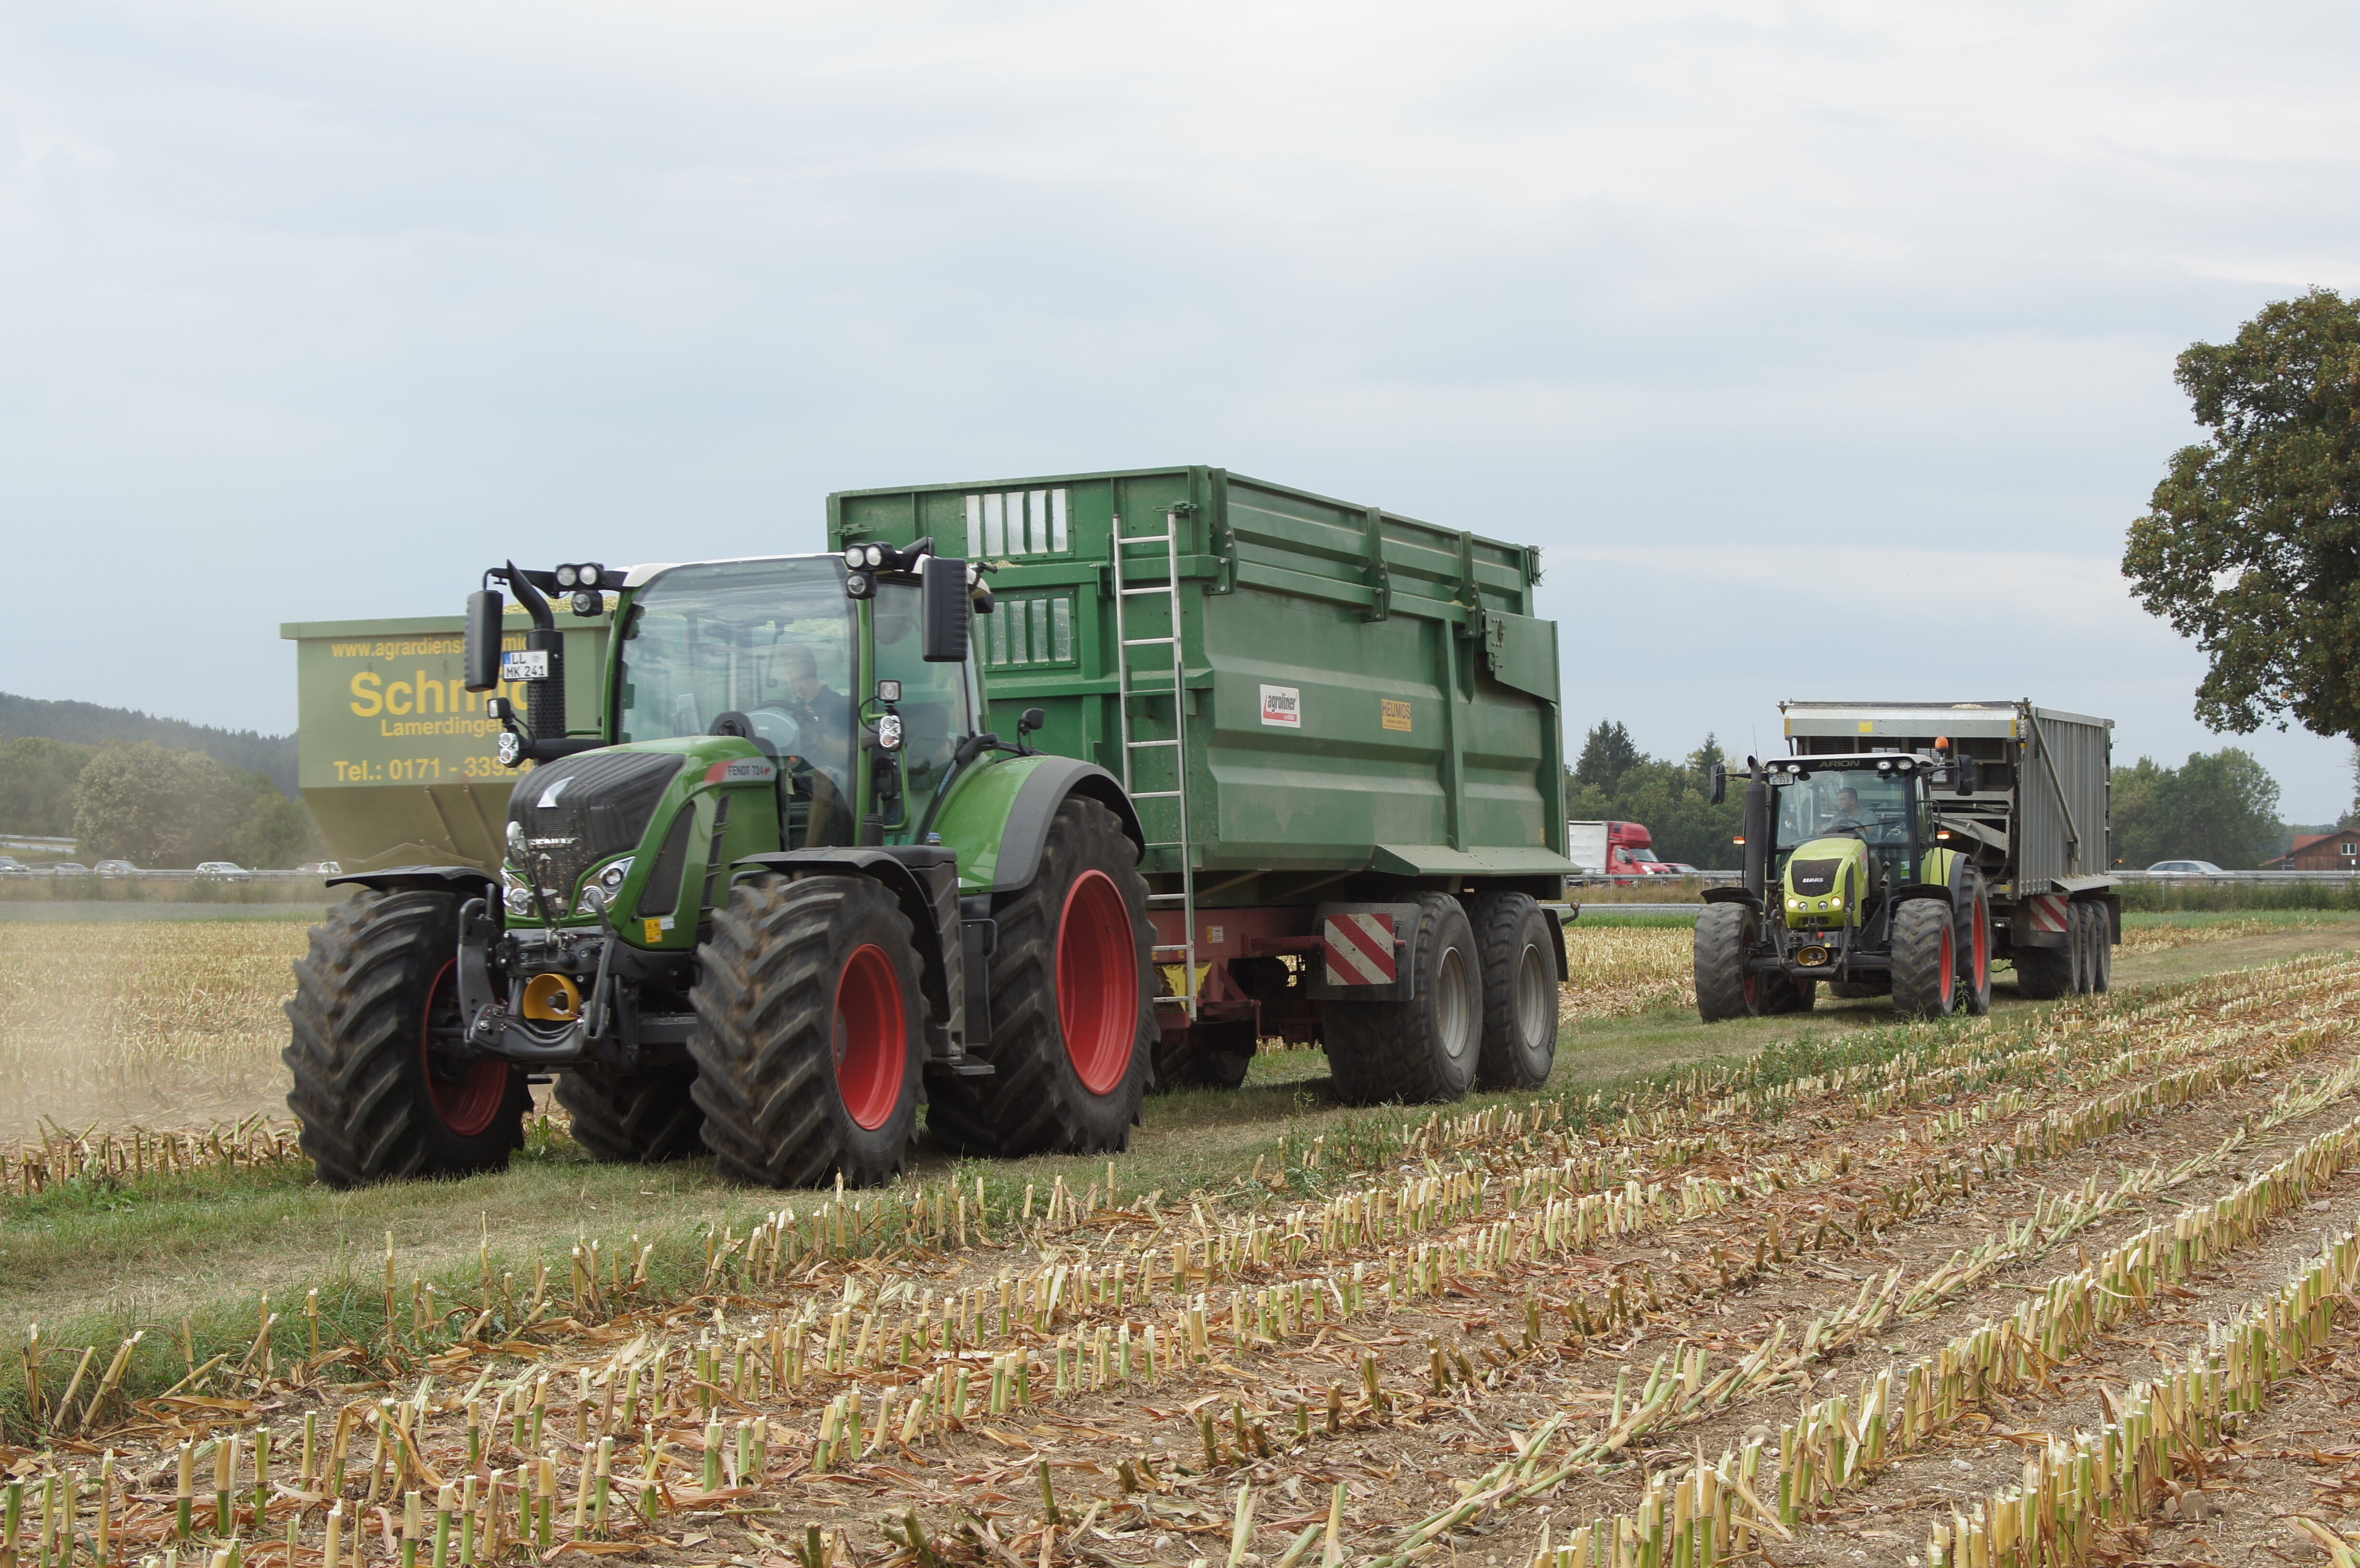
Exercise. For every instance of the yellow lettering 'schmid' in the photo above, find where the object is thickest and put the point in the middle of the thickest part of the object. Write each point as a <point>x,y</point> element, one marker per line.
<point>367,702</point>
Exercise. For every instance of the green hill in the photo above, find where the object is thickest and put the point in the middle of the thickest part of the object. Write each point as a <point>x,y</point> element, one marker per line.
<point>87,723</point>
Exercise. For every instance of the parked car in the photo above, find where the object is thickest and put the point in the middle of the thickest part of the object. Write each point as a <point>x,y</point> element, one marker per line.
<point>115,868</point>
<point>12,866</point>
<point>69,868</point>
<point>322,868</point>
<point>225,870</point>
<point>2185,869</point>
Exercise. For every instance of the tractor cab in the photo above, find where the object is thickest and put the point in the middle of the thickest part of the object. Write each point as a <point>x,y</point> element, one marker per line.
<point>1845,833</point>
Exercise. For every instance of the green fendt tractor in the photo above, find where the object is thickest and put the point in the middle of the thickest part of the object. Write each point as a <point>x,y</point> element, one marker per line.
<point>733,919</point>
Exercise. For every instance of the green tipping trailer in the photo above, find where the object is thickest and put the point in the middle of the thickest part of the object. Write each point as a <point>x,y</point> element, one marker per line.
<point>396,758</point>
<point>1368,741</point>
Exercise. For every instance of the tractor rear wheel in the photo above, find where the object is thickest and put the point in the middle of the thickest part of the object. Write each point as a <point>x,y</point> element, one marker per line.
<point>1974,944</point>
<point>383,1086</point>
<point>1520,991</point>
<point>1073,1003</point>
<point>1424,1049</point>
<point>1726,985</point>
<point>1925,958</point>
<point>632,1118</point>
<point>1209,1056</point>
<point>810,1026</point>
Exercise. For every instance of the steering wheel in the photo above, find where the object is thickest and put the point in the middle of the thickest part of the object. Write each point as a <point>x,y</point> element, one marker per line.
<point>771,731</point>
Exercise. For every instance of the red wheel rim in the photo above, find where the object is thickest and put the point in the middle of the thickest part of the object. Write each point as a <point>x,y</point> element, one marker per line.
<point>467,1094</point>
<point>1098,981</point>
<point>1949,965</point>
<point>1980,915</point>
<point>872,1037</point>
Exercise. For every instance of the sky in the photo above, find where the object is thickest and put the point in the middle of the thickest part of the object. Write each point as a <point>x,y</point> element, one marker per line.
<point>1826,349</point>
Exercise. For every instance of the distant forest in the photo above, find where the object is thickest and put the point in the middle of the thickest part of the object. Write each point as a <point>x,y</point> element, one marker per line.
<point>87,723</point>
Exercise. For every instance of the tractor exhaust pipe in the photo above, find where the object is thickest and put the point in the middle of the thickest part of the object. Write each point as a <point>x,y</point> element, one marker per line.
<point>1757,831</point>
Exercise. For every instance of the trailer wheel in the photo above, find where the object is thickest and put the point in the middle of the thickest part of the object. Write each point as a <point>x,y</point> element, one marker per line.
<point>1424,1049</point>
<point>1925,958</point>
<point>2043,973</point>
<point>1974,944</point>
<point>1520,991</point>
<point>1073,1003</point>
<point>381,1087</point>
<point>2081,941</point>
<point>810,1024</point>
<point>2101,947</point>
<point>1725,986</point>
<point>632,1118</point>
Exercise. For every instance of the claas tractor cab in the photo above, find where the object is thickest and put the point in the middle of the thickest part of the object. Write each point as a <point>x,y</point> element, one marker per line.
<point>788,885</point>
<point>1853,878</point>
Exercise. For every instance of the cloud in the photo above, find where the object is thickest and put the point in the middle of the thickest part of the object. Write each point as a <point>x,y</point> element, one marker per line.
<point>309,308</point>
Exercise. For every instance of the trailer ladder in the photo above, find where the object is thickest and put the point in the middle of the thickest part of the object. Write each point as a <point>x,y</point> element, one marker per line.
<point>1126,691</point>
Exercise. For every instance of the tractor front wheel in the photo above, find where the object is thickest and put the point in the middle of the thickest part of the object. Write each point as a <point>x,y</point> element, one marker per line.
<point>383,1085</point>
<point>1925,958</point>
<point>1073,1003</point>
<point>632,1118</point>
<point>1726,985</point>
<point>811,1022</point>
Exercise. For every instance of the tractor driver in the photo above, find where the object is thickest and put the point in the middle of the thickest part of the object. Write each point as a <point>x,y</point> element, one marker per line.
<point>823,715</point>
<point>1848,810</point>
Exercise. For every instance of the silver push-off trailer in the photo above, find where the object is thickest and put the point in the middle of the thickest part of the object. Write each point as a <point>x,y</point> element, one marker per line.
<point>2035,819</point>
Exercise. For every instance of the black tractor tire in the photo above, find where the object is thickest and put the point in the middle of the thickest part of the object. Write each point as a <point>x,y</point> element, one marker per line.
<point>2043,973</point>
<point>1973,944</point>
<point>1925,954</point>
<point>1209,1056</point>
<point>1521,995</point>
<point>811,1032</point>
<point>379,1088</point>
<point>2101,947</point>
<point>1073,954</point>
<point>1726,988</point>
<point>1425,1049</point>
<point>1857,990</point>
<point>1780,995</point>
<point>632,1118</point>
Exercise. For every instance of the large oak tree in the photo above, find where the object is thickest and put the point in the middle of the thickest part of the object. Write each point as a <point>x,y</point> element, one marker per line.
<point>2251,545</point>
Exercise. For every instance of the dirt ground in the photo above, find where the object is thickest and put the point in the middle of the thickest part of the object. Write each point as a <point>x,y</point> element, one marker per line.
<point>1450,1339</point>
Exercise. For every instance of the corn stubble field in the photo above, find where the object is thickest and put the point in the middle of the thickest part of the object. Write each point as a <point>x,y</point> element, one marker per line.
<point>2073,1283</point>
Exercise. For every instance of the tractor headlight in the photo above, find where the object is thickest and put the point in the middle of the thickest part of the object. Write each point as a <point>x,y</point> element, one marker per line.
<point>1794,903</point>
<point>516,896</point>
<point>875,554</point>
<point>1836,902</point>
<point>612,878</point>
<point>567,577</point>
<point>852,556</point>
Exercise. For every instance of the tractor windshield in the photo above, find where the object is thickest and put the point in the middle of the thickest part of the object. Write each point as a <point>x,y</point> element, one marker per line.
<point>1848,802</point>
<point>767,641</point>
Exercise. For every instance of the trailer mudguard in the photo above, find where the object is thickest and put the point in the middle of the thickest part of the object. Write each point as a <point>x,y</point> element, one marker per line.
<point>461,879</point>
<point>997,817</point>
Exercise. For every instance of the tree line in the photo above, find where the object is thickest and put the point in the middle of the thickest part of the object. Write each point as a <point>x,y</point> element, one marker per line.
<point>149,804</point>
<point>2219,806</point>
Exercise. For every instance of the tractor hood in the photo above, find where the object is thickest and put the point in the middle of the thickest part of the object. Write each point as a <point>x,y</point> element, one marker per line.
<point>1825,880</point>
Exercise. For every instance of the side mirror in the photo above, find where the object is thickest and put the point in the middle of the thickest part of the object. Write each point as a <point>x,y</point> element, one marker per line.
<point>1966,771</point>
<point>1720,783</point>
<point>481,661</point>
<point>942,597</point>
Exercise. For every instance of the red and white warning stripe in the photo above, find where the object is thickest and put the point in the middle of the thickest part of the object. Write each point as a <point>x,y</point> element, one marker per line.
<point>2047,912</point>
<point>1359,950</point>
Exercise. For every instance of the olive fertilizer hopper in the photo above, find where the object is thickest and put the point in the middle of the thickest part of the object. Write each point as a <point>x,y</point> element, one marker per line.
<point>918,820</point>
